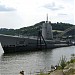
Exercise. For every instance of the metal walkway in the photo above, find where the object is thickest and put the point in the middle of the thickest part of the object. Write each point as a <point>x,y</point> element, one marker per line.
<point>64,32</point>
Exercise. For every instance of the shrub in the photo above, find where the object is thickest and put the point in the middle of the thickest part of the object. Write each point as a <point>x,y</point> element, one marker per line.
<point>72,58</point>
<point>62,62</point>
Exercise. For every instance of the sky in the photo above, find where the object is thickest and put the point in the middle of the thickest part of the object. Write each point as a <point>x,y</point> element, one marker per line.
<point>22,13</point>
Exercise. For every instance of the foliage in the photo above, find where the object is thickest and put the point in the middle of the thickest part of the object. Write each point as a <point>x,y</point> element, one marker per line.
<point>33,30</point>
<point>41,73</point>
<point>70,72</point>
<point>63,65</point>
<point>60,26</point>
<point>62,62</point>
<point>72,58</point>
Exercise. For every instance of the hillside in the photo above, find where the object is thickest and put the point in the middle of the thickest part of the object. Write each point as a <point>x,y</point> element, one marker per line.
<point>33,30</point>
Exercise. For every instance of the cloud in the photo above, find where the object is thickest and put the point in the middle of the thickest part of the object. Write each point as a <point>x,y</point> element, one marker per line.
<point>52,6</point>
<point>62,14</point>
<point>4,8</point>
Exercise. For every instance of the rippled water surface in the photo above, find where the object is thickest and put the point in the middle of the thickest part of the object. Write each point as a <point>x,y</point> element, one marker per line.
<point>32,62</point>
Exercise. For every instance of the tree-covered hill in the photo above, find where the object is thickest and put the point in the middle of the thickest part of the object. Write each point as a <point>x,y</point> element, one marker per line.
<point>33,30</point>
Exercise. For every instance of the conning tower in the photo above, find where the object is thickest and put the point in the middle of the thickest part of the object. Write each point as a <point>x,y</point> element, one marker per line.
<point>47,30</point>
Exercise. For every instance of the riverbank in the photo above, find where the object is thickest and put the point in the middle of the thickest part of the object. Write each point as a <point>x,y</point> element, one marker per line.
<point>65,68</point>
<point>68,70</point>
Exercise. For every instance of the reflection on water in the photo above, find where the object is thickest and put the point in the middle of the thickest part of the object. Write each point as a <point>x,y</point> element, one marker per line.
<point>32,62</point>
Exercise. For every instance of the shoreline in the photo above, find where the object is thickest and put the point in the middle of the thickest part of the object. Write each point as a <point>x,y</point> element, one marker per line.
<point>68,68</point>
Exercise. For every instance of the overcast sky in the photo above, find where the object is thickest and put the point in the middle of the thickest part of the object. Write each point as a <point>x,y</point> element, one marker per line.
<point>21,13</point>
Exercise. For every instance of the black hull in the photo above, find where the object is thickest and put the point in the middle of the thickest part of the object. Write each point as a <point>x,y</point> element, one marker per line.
<point>18,49</point>
<point>31,48</point>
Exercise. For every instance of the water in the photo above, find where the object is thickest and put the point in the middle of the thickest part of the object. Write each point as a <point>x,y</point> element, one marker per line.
<point>32,62</point>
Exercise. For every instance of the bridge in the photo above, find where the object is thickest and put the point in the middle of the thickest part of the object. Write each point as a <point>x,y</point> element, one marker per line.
<point>64,32</point>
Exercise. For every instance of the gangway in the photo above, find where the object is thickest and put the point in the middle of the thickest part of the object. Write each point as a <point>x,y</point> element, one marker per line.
<point>41,41</point>
<point>64,32</point>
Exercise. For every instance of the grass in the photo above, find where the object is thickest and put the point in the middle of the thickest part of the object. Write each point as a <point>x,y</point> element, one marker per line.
<point>70,72</point>
<point>42,73</point>
<point>62,64</point>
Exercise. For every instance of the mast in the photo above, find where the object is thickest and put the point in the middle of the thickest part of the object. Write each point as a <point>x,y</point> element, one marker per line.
<point>47,18</point>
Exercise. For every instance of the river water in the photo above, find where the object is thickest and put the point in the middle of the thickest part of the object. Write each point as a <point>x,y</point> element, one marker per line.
<point>32,62</point>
